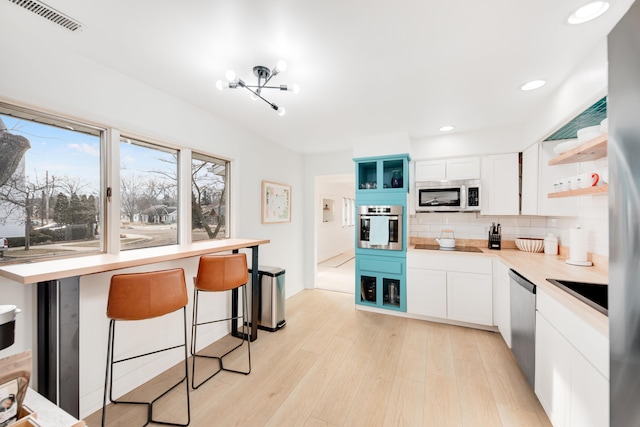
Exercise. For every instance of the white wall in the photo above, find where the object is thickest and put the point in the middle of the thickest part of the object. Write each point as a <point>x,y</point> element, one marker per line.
<point>382,145</point>
<point>318,164</point>
<point>50,79</point>
<point>333,238</point>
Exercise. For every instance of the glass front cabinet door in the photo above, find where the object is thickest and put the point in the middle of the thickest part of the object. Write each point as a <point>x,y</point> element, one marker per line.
<point>381,283</point>
<point>382,174</point>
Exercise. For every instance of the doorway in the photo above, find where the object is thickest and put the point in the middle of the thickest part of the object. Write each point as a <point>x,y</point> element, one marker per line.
<point>335,228</point>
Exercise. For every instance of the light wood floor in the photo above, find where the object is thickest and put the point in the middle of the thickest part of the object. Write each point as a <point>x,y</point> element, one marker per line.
<point>333,365</point>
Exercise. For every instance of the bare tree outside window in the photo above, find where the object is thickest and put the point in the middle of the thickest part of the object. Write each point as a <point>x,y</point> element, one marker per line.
<point>209,177</point>
<point>148,195</point>
<point>49,186</point>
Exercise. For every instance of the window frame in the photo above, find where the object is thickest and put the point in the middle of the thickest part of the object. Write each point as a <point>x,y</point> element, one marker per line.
<point>198,155</point>
<point>109,178</point>
<point>55,120</point>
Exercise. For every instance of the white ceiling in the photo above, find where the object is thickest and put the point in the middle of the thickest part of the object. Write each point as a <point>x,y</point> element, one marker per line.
<point>365,68</point>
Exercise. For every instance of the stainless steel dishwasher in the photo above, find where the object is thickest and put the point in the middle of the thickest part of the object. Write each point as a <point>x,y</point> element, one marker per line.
<point>523,323</point>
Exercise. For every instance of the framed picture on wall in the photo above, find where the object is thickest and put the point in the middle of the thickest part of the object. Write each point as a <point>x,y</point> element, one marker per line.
<point>276,202</point>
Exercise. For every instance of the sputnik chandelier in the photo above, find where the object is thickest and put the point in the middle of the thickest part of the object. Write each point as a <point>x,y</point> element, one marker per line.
<point>264,75</point>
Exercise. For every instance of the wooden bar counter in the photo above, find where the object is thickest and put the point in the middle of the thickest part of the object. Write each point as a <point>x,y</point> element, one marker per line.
<point>58,302</point>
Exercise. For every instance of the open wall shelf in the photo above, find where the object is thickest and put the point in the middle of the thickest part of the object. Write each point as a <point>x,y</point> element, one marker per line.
<point>600,189</point>
<point>593,149</point>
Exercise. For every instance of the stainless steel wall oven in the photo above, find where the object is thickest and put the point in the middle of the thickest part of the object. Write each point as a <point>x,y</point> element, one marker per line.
<point>380,227</point>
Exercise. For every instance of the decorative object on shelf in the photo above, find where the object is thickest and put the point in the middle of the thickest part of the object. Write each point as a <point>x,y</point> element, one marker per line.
<point>276,202</point>
<point>604,125</point>
<point>530,244</point>
<point>593,190</point>
<point>396,179</point>
<point>264,75</point>
<point>603,173</point>
<point>588,133</point>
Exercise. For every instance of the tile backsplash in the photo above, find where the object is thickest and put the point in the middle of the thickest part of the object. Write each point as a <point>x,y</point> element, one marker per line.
<point>593,217</point>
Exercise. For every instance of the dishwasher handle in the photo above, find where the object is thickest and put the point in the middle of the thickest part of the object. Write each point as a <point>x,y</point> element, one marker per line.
<point>522,281</point>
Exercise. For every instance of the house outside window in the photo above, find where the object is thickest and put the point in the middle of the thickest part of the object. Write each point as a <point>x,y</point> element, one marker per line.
<point>148,195</point>
<point>50,175</point>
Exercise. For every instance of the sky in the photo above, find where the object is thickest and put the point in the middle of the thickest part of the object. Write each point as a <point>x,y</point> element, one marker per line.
<point>66,153</point>
<point>60,152</point>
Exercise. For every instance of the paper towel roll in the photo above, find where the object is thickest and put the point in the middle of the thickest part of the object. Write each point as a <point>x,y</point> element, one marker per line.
<point>578,247</point>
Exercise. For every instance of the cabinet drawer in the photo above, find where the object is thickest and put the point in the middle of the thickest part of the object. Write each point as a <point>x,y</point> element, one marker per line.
<point>589,342</point>
<point>453,262</point>
<point>391,267</point>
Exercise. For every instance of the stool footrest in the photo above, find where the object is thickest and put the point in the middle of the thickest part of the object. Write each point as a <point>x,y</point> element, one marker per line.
<point>150,418</point>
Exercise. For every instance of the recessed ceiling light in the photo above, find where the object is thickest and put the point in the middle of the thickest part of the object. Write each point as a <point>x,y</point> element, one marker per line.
<point>588,12</point>
<point>534,84</point>
<point>447,128</point>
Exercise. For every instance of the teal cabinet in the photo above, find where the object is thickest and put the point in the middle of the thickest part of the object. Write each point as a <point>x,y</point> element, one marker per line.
<point>381,282</point>
<point>381,175</point>
<point>381,273</point>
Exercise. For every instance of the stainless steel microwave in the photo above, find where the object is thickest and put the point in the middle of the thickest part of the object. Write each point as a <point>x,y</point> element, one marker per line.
<point>448,196</point>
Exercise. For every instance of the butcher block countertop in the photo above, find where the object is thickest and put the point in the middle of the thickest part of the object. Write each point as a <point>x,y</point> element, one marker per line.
<point>538,267</point>
<point>41,271</point>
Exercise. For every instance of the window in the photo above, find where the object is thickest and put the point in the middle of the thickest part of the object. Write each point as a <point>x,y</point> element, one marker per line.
<point>348,212</point>
<point>209,200</point>
<point>53,170</point>
<point>50,200</point>
<point>148,195</point>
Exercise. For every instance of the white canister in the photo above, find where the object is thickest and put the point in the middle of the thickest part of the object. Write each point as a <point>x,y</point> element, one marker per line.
<point>551,245</point>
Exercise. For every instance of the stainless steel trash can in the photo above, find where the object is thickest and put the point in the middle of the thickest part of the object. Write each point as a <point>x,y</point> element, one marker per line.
<point>272,297</point>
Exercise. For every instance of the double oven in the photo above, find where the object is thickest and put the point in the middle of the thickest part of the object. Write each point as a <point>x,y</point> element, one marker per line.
<point>380,227</point>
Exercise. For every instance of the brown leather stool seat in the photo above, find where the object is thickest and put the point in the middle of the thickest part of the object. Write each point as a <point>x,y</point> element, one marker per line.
<point>141,296</point>
<point>218,273</point>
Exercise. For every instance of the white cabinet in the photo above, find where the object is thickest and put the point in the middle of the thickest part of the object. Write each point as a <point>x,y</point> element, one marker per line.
<point>454,287</point>
<point>463,168</point>
<point>502,300</point>
<point>500,184</point>
<point>589,394</point>
<point>553,371</point>
<point>469,298</point>
<point>428,294</point>
<point>451,169</point>
<point>572,367</point>
<point>538,179</point>
<point>430,170</point>
<point>530,161</point>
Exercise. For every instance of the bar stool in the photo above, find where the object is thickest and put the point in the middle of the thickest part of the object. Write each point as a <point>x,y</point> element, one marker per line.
<point>218,273</point>
<point>141,296</point>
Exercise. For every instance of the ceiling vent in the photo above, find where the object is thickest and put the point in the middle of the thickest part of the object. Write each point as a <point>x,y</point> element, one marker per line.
<point>49,13</point>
